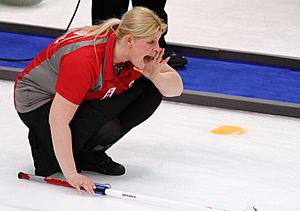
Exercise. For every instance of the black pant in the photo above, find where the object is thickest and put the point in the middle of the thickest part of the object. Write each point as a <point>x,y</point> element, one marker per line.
<point>116,8</point>
<point>132,107</point>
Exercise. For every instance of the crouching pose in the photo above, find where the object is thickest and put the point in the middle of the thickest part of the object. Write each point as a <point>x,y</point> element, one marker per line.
<point>88,88</point>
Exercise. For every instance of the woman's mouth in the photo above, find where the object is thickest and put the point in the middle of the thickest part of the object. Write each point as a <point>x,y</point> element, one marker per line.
<point>147,59</point>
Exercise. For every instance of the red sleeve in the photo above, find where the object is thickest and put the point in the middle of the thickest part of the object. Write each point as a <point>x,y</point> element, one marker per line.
<point>75,77</point>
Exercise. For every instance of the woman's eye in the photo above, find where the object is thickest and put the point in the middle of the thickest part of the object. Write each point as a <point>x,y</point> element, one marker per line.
<point>150,42</point>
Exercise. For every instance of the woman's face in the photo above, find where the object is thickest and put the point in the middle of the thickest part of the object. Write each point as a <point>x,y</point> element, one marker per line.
<point>143,49</point>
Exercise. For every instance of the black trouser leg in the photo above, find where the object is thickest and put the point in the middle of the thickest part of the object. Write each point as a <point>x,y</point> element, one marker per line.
<point>158,6</point>
<point>104,137</point>
<point>140,109</point>
<point>147,99</point>
<point>108,9</point>
<point>39,136</point>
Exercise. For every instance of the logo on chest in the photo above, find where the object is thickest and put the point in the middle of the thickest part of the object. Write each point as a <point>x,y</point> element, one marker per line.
<point>130,84</point>
<point>109,92</point>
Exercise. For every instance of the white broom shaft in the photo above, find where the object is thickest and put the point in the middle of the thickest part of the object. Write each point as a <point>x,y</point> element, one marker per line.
<point>157,201</point>
<point>122,194</point>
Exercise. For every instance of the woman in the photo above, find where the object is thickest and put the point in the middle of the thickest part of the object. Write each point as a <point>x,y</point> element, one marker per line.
<point>88,88</point>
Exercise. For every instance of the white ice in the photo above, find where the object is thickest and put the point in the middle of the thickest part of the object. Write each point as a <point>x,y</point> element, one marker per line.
<point>174,156</point>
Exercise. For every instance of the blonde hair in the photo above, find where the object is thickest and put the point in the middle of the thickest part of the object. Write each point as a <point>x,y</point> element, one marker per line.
<point>139,22</point>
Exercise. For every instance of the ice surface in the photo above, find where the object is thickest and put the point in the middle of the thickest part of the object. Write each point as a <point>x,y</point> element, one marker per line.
<point>174,156</point>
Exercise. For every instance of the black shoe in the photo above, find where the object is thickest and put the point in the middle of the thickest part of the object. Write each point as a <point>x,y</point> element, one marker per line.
<point>102,164</point>
<point>176,60</point>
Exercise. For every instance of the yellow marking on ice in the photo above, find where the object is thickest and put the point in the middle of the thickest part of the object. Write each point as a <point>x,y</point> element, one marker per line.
<point>228,130</point>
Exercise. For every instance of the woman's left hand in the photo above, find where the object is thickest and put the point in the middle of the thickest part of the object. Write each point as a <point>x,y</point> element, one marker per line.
<point>153,65</point>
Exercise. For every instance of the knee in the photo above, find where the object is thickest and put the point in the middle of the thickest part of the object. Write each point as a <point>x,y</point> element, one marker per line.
<point>155,100</point>
<point>110,131</point>
<point>106,135</point>
<point>154,97</point>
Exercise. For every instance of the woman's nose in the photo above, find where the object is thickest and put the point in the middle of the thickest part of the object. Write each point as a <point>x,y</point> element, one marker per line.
<point>156,47</point>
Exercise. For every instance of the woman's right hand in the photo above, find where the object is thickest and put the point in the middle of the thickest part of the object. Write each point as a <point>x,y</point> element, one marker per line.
<point>78,180</point>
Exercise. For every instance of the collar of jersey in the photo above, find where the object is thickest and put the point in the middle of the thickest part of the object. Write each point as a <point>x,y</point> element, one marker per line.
<point>108,60</point>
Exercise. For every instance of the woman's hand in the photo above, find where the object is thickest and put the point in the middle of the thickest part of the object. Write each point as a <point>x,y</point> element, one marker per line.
<point>153,65</point>
<point>165,78</point>
<point>77,181</point>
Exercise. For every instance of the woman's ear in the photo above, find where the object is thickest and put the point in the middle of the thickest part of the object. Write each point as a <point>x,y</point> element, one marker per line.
<point>129,40</point>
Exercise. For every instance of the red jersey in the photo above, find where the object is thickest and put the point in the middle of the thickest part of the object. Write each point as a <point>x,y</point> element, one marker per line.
<point>79,69</point>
